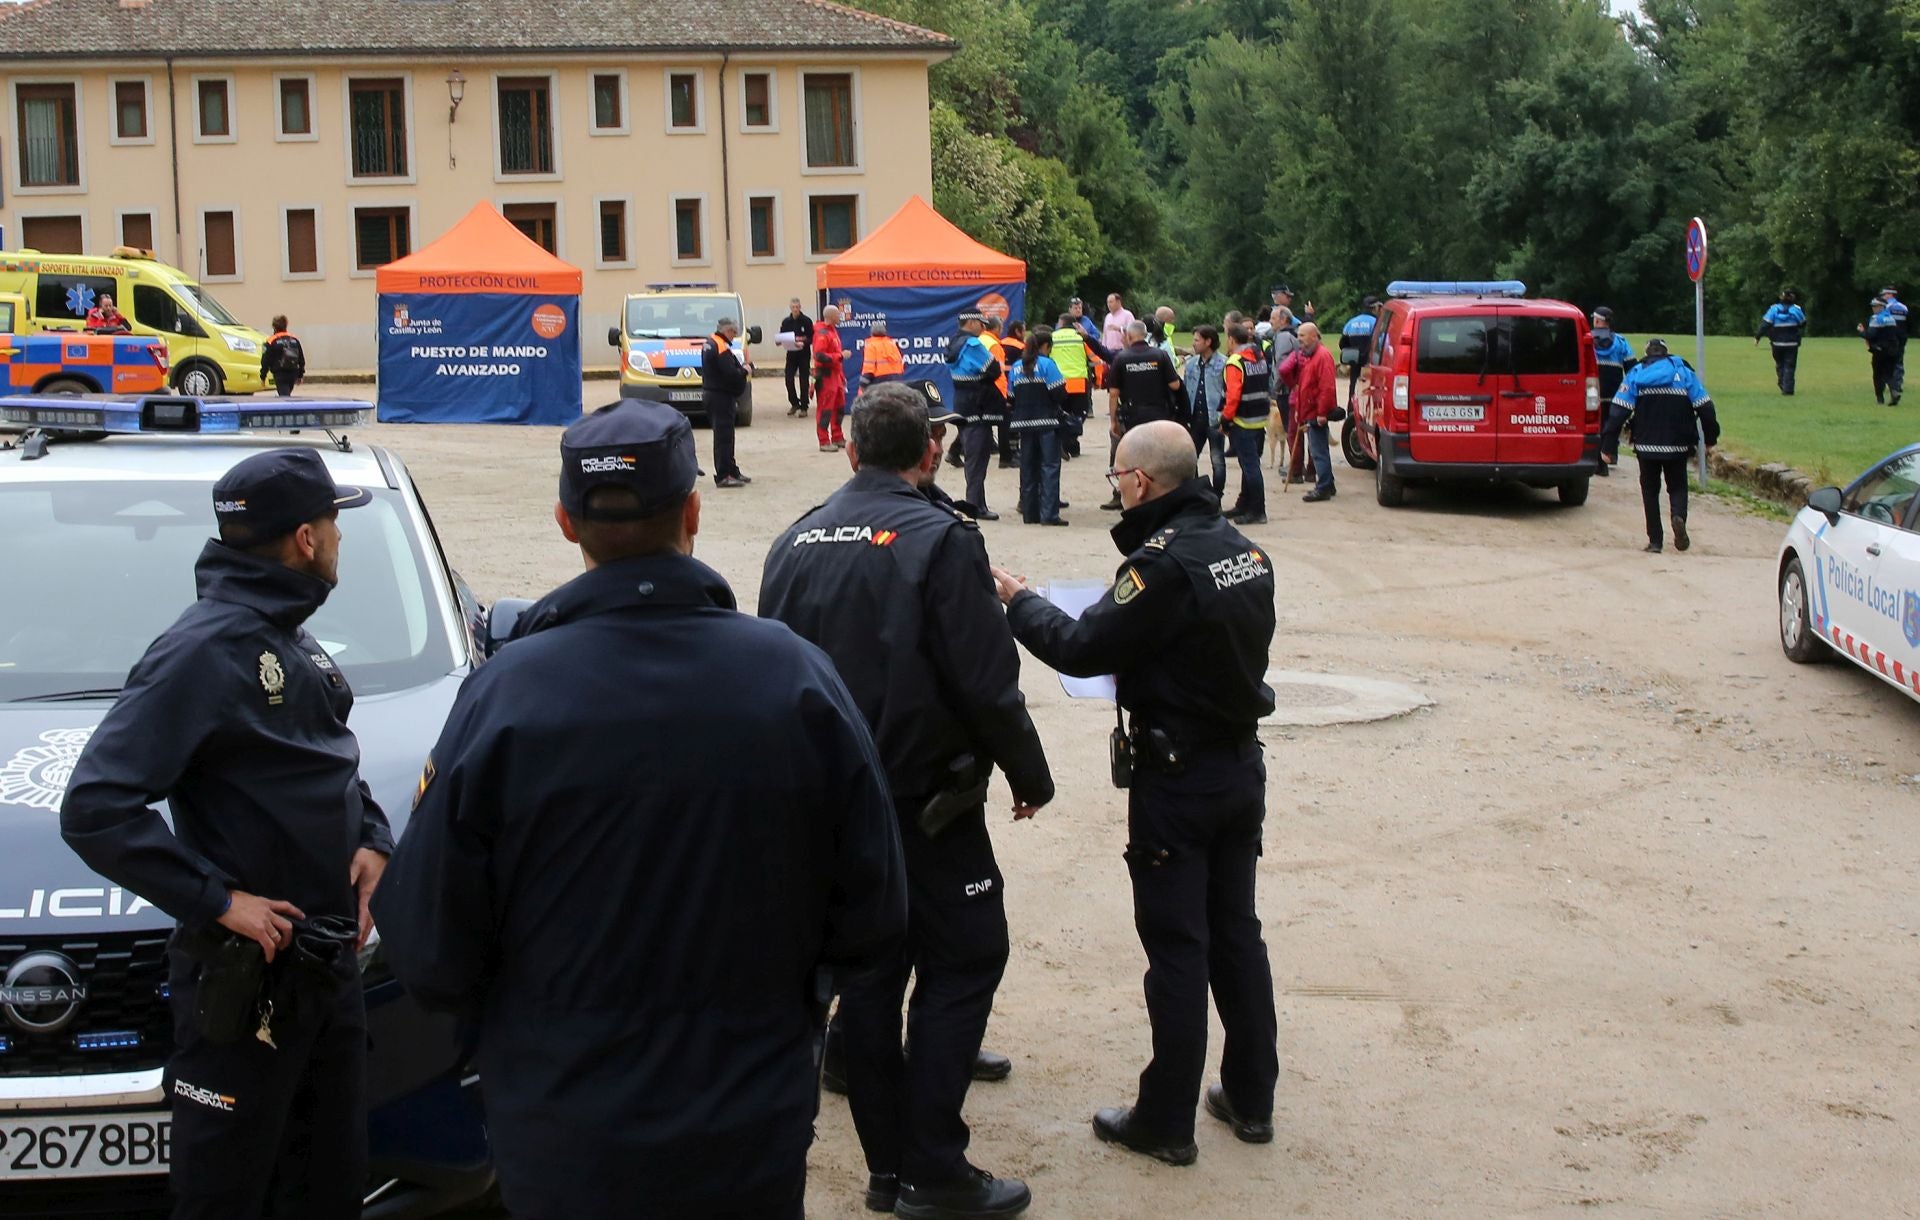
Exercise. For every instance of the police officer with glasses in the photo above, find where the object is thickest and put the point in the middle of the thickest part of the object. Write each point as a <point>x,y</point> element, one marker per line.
<point>1196,782</point>
<point>237,718</point>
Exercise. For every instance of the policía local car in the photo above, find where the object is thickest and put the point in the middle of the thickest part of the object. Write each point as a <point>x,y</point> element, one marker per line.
<point>1849,574</point>
<point>100,546</point>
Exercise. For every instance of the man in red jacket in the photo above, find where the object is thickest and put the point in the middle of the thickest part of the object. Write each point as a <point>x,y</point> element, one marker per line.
<point>829,380</point>
<point>1310,372</point>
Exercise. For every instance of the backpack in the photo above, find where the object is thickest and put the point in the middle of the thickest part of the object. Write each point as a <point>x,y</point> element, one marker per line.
<point>288,356</point>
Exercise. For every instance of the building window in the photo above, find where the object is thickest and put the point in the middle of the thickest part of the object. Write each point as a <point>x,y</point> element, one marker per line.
<point>683,101</point>
<point>687,244</point>
<point>136,230</point>
<point>381,235</point>
<point>219,248</point>
<point>303,242</point>
<point>613,230</point>
<point>130,110</point>
<point>609,102</point>
<point>762,226</point>
<point>49,135</point>
<point>54,235</point>
<point>296,106</point>
<point>829,107</point>
<point>213,109</point>
<point>757,98</point>
<point>833,222</point>
<point>538,221</point>
<point>526,125</point>
<point>377,118</point>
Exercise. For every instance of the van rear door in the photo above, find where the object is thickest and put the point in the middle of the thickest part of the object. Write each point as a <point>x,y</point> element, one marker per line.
<point>1453,386</point>
<point>1540,403</point>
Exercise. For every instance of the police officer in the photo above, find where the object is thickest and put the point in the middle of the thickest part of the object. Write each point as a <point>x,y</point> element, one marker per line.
<point>237,717</point>
<point>1886,334</point>
<point>1198,785</point>
<point>1356,337</point>
<point>1660,400</point>
<point>1783,324</point>
<point>976,370</point>
<point>1143,385</point>
<point>723,379</point>
<point>1614,356</point>
<point>897,590</point>
<point>635,924</point>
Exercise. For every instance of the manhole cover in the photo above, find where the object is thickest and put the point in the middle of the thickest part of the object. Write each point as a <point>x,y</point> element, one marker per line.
<point>1309,700</point>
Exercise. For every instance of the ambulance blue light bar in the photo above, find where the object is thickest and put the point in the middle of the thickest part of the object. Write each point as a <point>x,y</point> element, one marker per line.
<point>1456,288</point>
<point>161,414</point>
<point>667,287</point>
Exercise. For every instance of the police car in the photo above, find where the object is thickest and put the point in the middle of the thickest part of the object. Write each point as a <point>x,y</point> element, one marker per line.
<point>1849,574</point>
<point>100,546</point>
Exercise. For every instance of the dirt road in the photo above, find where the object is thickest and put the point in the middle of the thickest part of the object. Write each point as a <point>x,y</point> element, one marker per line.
<point>1625,924</point>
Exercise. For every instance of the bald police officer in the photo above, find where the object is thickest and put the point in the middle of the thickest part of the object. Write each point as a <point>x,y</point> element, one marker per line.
<point>1198,785</point>
<point>897,590</point>
<point>635,923</point>
<point>237,717</point>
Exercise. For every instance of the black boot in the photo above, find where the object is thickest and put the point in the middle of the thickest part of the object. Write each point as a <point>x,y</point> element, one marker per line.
<point>977,1194</point>
<point>1116,1126</point>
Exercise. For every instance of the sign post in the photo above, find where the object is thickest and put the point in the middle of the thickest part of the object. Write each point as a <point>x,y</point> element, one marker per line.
<point>1697,271</point>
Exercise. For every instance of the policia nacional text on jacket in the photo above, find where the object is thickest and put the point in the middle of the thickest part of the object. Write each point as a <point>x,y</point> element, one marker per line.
<point>238,718</point>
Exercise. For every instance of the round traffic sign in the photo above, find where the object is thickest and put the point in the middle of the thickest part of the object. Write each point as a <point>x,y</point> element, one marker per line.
<point>1696,249</point>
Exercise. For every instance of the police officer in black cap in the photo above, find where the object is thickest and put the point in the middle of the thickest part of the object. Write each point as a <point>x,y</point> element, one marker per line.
<point>897,590</point>
<point>640,928</point>
<point>1197,794</point>
<point>237,717</point>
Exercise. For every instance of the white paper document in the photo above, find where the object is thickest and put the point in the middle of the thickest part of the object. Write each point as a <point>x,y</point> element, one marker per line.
<point>1074,596</point>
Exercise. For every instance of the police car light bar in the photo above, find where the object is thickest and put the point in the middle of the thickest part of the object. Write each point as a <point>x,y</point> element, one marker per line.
<point>665,287</point>
<point>1456,288</point>
<point>159,414</point>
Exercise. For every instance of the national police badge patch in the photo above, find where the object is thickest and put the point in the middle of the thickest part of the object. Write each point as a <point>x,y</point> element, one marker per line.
<point>1910,616</point>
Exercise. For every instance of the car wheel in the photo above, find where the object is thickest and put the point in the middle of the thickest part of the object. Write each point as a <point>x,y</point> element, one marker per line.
<point>199,381</point>
<point>66,385</point>
<point>1573,492</point>
<point>1797,639</point>
<point>1350,447</point>
<point>1390,490</point>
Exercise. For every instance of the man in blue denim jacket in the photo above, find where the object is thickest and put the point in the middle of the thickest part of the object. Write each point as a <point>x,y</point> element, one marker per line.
<point>1205,379</point>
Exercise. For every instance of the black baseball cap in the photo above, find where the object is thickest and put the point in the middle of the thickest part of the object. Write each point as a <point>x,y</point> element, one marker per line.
<point>1282,286</point>
<point>275,493</point>
<point>645,447</point>
<point>938,411</point>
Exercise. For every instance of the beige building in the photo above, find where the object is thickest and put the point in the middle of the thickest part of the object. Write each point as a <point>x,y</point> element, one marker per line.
<point>280,153</point>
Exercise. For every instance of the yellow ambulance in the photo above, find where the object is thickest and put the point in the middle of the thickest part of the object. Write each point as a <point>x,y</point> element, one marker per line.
<point>210,351</point>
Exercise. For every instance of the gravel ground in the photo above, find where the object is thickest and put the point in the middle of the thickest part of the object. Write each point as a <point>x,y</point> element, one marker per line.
<point>1623,924</point>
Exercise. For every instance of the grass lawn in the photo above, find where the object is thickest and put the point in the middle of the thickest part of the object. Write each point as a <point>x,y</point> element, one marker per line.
<point>1830,429</point>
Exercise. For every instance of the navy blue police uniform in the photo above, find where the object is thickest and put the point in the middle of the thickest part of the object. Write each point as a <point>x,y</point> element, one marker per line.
<point>237,717</point>
<point>723,379</point>
<point>1782,325</point>
<point>1198,796</point>
<point>895,587</point>
<point>1659,403</point>
<point>638,927</point>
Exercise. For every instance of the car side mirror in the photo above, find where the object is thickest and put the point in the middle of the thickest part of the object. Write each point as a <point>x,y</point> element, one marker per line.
<point>753,334</point>
<point>1826,502</point>
<point>613,336</point>
<point>502,617</point>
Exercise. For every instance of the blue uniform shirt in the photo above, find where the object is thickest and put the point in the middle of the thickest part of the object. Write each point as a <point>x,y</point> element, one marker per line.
<point>1614,353</point>
<point>1360,325</point>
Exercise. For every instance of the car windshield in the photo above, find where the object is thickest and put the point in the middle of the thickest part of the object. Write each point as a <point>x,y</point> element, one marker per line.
<point>101,568</point>
<point>208,308</point>
<point>678,317</point>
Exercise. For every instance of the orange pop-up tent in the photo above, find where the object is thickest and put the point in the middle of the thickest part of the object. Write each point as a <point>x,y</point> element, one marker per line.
<point>919,272</point>
<point>481,326</point>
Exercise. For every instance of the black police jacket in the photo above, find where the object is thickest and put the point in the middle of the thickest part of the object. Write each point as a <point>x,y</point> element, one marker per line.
<point>238,719</point>
<point>723,379</point>
<point>897,590</point>
<point>1147,382</point>
<point>649,821</point>
<point>1185,629</point>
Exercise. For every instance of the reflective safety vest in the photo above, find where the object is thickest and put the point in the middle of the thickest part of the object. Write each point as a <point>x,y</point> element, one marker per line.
<point>1070,353</point>
<point>881,358</point>
<point>1255,387</point>
<point>999,350</point>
